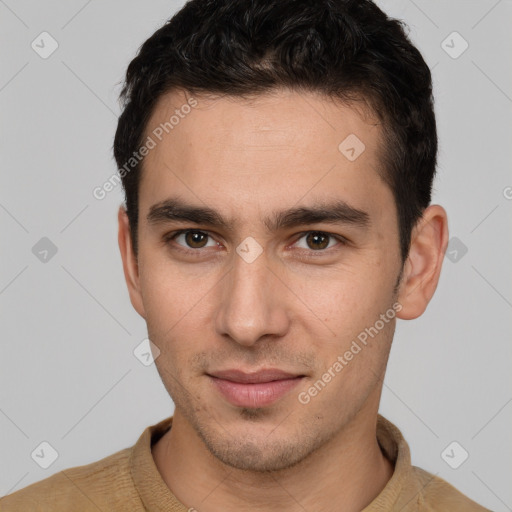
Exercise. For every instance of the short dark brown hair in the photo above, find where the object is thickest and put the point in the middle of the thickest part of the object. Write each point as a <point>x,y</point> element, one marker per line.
<point>346,49</point>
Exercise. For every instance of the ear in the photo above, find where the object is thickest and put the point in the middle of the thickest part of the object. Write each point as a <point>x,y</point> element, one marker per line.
<point>422,268</point>
<point>130,264</point>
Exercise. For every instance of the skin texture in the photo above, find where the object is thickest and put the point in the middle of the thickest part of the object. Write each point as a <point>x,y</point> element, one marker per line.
<point>296,307</point>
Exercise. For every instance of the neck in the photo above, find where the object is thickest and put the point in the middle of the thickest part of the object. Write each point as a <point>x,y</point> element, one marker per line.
<point>346,473</point>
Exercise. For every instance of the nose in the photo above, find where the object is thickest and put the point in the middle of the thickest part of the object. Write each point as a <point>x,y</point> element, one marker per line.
<point>252,305</point>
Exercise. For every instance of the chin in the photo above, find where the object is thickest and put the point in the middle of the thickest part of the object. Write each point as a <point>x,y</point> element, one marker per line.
<point>257,457</point>
<point>260,451</point>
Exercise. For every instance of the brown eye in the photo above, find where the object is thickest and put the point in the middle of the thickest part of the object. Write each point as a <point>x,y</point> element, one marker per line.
<point>317,240</point>
<point>190,239</point>
<point>196,239</point>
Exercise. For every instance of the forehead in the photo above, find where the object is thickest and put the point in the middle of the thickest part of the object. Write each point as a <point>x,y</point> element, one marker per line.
<point>278,147</point>
<point>271,119</point>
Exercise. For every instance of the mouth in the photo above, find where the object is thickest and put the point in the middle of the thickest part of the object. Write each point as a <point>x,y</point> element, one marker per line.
<point>254,389</point>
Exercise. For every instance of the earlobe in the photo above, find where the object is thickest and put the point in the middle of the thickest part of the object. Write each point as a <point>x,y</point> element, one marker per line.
<point>423,266</point>
<point>130,264</point>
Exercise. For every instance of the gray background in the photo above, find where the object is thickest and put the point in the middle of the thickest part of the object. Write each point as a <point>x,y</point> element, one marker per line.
<point>68,375</point>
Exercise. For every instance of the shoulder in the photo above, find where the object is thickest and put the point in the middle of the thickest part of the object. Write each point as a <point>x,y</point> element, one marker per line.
<point>438,495</point>
<point>102,485</point>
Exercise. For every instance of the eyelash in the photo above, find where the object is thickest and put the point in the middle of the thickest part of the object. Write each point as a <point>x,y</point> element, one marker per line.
<point>170,237</point>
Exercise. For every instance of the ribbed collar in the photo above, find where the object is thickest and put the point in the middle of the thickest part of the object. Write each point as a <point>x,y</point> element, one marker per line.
<point>402,490</point>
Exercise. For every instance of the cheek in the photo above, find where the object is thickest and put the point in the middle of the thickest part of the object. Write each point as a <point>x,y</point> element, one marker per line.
<point>350,307</point>
<point>348,300</point>
<point>350,367</point>
<point>168,291</point>
<point>165,299</point>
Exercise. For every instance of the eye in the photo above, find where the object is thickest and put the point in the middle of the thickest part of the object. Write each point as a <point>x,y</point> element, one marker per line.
<point>191,239</point>
<point>319,241</point>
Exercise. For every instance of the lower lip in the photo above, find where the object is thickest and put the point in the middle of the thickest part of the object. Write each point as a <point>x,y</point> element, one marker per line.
<point>254,395</point>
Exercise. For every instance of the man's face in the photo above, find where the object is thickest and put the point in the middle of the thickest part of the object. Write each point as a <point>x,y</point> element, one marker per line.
<point>257,294</point>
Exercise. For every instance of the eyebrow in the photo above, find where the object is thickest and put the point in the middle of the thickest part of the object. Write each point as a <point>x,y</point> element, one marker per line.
<point>331,212</point>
